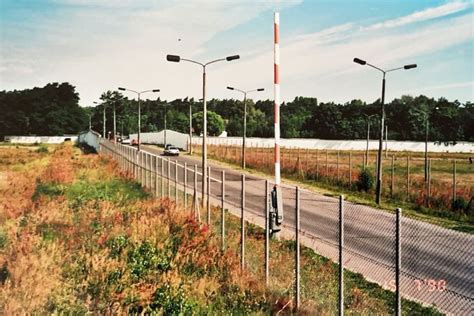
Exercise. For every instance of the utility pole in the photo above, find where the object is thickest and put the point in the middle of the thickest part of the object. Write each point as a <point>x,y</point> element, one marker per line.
<point>378,194</point>
<point>165,112</point>
<point>115,125</point>
<point>139,108</point>
<point>245,120</point>
<point>177,59</point>
<point>190,128</point>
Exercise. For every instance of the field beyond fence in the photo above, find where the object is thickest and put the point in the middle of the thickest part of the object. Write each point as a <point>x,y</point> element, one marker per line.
<point>447,191</point>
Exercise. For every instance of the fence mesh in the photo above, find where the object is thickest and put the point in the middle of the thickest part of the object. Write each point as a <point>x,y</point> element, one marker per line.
<point>436,263</point>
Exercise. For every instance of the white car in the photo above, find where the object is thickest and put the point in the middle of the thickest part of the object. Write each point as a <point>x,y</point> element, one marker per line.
<point>171,151</point>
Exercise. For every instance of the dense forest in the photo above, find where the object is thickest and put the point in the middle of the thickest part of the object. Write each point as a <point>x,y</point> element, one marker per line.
<point>51,110</point>
<point>54,110</point>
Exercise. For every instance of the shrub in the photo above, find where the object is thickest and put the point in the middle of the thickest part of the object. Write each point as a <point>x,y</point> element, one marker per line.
<point>42,149</point>
<point>460,204</point>
<point>48,189</point>
<point>172,301</point>
<point>117,245</point>
<point>365,181</point>
<point>145,258</point>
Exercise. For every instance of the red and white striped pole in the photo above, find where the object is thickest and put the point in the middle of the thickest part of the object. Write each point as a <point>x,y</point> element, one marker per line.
<point>276,81</point>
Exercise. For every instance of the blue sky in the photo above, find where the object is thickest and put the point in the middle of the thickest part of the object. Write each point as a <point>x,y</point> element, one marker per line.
<point>102,44</point>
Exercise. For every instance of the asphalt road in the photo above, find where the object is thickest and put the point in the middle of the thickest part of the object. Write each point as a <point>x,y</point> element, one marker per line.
<point>437,263</point>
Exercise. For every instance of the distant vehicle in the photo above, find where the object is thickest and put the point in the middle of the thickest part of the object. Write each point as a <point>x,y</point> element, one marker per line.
<point>125,141</point>
<point>171,151</point>
<point>168,146</point>
<point>134,142</point>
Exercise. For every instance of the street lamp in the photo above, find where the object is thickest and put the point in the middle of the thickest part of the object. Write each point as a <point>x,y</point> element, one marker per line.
<point>382,118</point>
<point>427,131</point>
<point>165,115</point>
<point>368,138</point>
<point>191,126</point>
<point>139,108</point>
<point>177,59</point>
<point>245,119</point>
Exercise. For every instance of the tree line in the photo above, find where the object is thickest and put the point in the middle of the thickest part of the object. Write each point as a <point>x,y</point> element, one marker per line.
<point>51,110</point>
<point>54,110</point>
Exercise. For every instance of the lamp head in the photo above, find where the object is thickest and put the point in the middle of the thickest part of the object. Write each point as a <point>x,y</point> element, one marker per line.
<point>155,90</point>
<point>229,58</point>
<point>409,66</point>
<point>173,58</point>
<point>230,88</point>
<point>360,61</point>
<point>261,89</point>
<point>122,89</point>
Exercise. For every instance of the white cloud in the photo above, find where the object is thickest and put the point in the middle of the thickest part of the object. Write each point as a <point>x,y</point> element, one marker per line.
<point>97,50</point>
<point>428,14</point>
<point>102,44</point>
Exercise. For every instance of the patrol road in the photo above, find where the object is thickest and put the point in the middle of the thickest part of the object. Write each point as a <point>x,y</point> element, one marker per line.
<point>437,263</point>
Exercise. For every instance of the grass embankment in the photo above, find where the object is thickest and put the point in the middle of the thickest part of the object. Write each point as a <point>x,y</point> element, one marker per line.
<point>77,237</point>
<point>309,168</point>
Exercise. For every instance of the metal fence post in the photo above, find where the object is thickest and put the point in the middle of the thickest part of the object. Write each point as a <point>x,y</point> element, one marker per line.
<point>327,165</point>
<point>408,178</point>
<point>317,165</point>
<point>208,196</point>
<point>156,176</point>
<point>428,184</point>
<point>297,254</point>
<point>185,185</point>
<point>398,261</point>
<point>162,177</point>
<point>454,182</point>
<point>392,177</point>
<point>350,169</point>
<point>242,225</point>
<point>341,259</point>
<point>142,168</point>
<point>169,178</point>
<point>267,235</point>
<point>147,161</point>
<point>195,208</point>
<point>176,181</point>
<point>223,210</point>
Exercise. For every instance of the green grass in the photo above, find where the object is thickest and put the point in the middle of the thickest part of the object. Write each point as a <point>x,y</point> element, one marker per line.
<point>115,190</point>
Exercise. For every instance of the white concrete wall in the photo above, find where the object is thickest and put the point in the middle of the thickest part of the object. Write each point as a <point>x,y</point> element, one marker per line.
<point>461,147</point>
<point>39,139</point>
<point>177,139</point>
<point>91,138</point>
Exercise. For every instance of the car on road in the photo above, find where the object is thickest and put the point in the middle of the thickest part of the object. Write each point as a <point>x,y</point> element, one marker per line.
<point>171,151</point>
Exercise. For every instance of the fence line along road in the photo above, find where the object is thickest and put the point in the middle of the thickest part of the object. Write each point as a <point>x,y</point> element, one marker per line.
<point>435,263</point>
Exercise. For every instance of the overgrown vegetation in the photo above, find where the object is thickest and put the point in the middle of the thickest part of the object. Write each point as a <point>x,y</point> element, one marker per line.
<point>78,237</point>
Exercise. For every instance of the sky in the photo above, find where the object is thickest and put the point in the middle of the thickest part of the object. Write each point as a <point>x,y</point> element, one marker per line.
<point>103,44</point>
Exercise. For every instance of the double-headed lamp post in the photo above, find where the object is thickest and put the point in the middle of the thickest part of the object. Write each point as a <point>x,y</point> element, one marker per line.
<point>245,119</point>
<point>177,59</point>
<point>139,108</point>
<point>382,119</point>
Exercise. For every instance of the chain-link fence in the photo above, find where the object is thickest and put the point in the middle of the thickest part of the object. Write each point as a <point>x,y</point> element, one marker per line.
<point>320,236</point>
